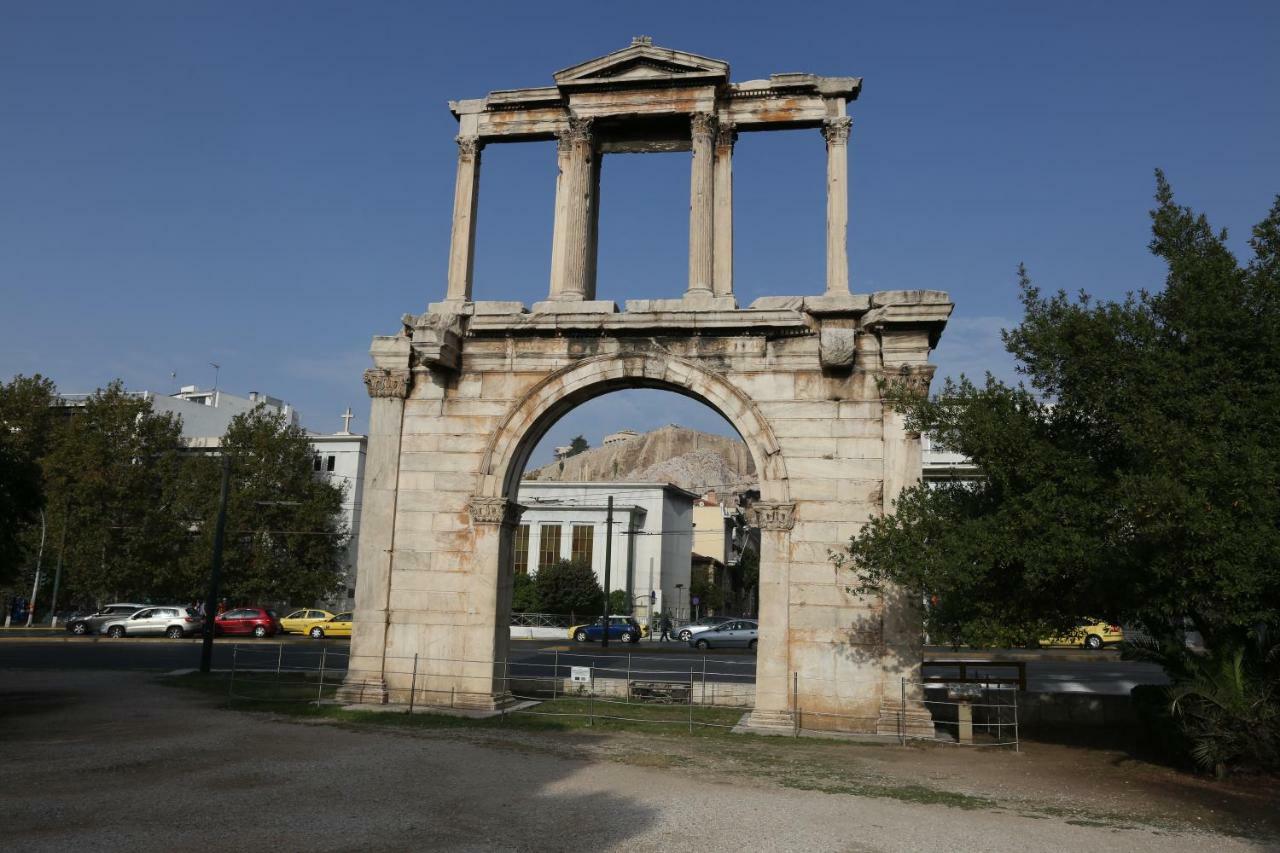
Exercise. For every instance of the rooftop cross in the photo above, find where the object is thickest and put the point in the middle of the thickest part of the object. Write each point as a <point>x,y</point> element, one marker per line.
<point>346,421</point>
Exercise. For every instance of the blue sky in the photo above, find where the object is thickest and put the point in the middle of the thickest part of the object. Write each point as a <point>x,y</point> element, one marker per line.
<point>267,185</point>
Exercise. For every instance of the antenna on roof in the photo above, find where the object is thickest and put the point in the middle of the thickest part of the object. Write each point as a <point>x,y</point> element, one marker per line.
<point>216,368</point>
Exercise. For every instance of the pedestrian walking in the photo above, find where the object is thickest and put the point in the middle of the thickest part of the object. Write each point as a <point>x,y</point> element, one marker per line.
<point>664,625</point>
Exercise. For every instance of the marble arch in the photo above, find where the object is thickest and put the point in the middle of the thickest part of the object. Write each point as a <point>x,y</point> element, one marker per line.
<point>461,392</point>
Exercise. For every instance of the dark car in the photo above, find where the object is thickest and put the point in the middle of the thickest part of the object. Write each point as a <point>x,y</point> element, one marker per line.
<point>253,621</point>
<point>89,624</point>
<point>622,628</point>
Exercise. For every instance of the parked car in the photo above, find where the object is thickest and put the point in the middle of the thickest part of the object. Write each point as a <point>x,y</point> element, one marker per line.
<point>300,621</point>
<point>740,633</point>
<point>90,623</point>
<point>255,621</point>
<point>1092,635</point>
<point>171,620</point>
<point>623,628</point>
<point>335,626</point>
<point>706,623</point>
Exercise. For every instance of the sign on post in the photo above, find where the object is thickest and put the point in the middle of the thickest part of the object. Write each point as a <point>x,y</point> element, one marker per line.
<point>581,674</point>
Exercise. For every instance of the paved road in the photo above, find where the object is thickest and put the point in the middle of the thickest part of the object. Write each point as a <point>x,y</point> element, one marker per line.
<point>1065,671</point>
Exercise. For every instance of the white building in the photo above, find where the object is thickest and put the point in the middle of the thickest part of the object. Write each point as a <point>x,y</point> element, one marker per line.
<point>339,458</point>
<point>652,536</point>
<point>940,464</point>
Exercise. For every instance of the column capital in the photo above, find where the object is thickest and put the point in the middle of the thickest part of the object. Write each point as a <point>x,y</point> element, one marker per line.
<point>494,511</point>
<point>382,382</point>
<point>836,130</point>
<point>580,130</point>
<point>468,147</point>
<point>703,125</point>
<point>772,516</point>
<point>726,136</point>
<point>913,378</point>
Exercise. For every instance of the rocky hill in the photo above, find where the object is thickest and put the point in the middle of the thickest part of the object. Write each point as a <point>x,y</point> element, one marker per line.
<point>688,458</point>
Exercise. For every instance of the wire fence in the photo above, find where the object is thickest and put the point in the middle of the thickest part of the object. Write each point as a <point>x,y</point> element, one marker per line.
<point>676,690</point>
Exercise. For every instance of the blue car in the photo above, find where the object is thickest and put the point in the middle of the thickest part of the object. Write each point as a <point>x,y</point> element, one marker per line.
<point>622,628</point>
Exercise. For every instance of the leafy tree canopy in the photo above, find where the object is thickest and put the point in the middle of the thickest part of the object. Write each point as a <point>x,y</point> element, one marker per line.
<point>568,586</point>
<point>1134,480</point>
<point>578,445</point>
<point>285,536</point>
<point>25,421</point>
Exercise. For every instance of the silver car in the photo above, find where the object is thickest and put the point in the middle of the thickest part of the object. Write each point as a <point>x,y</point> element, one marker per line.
<point>90,624</point>
<point>172,621</point>
<point>739,633</point>
<point>706,623</point>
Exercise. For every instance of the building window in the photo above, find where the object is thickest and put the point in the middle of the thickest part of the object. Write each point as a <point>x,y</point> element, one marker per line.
<point>315,462</point>
<point>328,465</point>
<point>522,549</point>
<point>548,544</point>
<point>583,537</point>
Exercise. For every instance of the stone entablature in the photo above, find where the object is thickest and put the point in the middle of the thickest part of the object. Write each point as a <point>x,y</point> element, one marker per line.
<point>647,98</point>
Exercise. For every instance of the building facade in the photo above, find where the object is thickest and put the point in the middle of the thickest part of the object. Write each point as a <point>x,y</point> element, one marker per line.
<point>651,544</point>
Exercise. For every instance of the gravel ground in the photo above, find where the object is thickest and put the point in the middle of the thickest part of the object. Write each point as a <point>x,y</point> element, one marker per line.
<point>113,761</point>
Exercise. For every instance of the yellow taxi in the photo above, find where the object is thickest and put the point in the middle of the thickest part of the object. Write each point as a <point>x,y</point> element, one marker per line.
<point>300,621</point>
<point>1091,635</point>
<point>334,626</point>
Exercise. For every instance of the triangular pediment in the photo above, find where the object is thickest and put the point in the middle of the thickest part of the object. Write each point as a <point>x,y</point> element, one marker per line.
<point>643,62</point>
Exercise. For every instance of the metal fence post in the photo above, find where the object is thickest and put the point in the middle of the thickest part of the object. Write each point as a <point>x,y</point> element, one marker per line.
<point>902,715</point>
<point>279,662</point>
<point>555,676</point>
<point>591,704</point>
<point>1016,739</point>
<point>231,683</point>
<point>795,704</point>
<point>704,679</point>
<point>324,651</point>
<point>413,682</point>
<point>690,700</point>
<point>506,687</point>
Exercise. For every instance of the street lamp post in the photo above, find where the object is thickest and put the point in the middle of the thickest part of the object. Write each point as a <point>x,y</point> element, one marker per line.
<point>679,598</point>
<point>215,570</point>
<point>35,587</point>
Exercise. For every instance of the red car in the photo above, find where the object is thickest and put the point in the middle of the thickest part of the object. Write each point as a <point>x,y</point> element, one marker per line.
<point>258,621</point>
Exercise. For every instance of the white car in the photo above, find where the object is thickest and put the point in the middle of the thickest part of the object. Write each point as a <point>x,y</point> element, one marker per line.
<point>172,621</point>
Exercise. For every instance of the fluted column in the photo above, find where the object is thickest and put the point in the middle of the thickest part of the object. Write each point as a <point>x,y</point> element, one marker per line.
<point>701,205</point>
<point>836,131</point>
<point>572,264</point>
<point>462,243</point>
<point>722,260</point>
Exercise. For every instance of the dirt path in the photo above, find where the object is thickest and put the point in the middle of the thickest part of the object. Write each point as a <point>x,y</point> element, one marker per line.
<point>113,761</point>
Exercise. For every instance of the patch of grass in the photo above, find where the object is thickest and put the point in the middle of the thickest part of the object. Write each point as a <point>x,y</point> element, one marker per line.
<point>917,794</point>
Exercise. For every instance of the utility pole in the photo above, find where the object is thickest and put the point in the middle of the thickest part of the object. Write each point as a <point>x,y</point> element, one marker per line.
<point>215,571</point>
<point>35,587</point>
<point>608,557</point>
<point>57,573</point>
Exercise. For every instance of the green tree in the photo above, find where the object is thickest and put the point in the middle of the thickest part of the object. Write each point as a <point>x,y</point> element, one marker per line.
<point>26,422</point>
<point>285,537</point>
<point>619,603</point>
<point>1135,480</point>
<point>578,445</point>
<point>568,586</point>
<point>113,478</point>
<point>524,595</point>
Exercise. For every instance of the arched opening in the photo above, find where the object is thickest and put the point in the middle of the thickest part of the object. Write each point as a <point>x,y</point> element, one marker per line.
<point>681,553</point>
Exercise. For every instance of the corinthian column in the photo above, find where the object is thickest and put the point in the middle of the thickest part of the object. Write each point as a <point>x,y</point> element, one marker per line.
<point>723,225</point>
<point>836,131</point>
<point>462,243</point>
<point>572,266</point>
<point>701,198</point>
